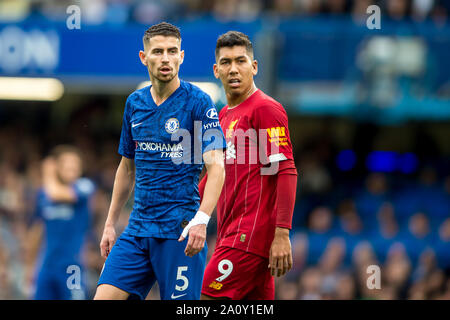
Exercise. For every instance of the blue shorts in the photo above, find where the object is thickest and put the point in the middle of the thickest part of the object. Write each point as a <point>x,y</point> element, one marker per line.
<point>135,263</point>
<point>62,282</point>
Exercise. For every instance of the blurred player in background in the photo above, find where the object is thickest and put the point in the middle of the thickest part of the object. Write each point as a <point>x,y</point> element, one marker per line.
<point>166,202</point>
<point>63,207</point>
<point>255,208</point>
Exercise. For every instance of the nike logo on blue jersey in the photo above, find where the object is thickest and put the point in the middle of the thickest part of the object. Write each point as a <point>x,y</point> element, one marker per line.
<point>176,297</point>
<point>136,124</point>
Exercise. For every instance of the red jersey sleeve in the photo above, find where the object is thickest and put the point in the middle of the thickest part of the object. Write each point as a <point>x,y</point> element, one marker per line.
<point>271,121</point>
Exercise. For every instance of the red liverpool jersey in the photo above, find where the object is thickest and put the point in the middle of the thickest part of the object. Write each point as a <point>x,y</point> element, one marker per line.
<point>257,136</point>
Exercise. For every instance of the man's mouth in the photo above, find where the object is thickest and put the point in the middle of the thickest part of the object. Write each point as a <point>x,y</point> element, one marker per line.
<point>165,70</point>
<point>234,83</point>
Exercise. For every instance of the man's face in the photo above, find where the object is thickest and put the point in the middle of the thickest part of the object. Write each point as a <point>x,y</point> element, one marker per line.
<point>236,69</point>
<point>162,57</point>
<point>68,167</point>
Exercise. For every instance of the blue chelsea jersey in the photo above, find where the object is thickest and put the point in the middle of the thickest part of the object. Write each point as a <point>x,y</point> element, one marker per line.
<point>167,143</point>
<point>66,224</point>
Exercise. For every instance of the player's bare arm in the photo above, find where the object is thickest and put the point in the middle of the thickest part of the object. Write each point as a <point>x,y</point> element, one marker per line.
<point>123,186</point>
<point>214,163</point>
<point>54,188</point>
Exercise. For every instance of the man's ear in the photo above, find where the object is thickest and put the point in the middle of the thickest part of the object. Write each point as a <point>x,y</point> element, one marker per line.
<point>255,67</point>
<point>182,56</point>
<point>142,57</point>
<point>216,71</point>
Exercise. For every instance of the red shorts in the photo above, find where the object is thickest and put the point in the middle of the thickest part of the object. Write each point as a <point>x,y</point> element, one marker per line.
<point>238,275</point>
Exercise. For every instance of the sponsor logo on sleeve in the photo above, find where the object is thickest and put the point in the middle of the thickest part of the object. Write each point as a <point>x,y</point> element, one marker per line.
<point>277,135</point>
<point>212,114</point>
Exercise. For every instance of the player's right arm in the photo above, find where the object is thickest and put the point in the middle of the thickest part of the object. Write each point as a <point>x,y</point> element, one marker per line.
<point>123,186</point>
<point>54,188</point>
<point>215,168</point>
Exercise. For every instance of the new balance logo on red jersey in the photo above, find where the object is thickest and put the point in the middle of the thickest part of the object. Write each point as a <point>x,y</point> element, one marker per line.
<point>216,285</point>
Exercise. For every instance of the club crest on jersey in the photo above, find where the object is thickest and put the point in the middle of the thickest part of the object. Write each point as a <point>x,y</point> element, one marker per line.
<point>172,125</point>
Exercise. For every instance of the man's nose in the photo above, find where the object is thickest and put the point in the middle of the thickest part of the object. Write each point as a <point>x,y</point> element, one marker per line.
<point>165,57</point>
<point>233,68</point>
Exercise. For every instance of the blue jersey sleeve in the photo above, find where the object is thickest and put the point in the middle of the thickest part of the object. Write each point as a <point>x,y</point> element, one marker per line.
<point>126,145</point>
<point>211,133</point>
<point>83,188</point>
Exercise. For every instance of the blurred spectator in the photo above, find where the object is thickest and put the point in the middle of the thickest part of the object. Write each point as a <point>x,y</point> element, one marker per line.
<point>311,245</point>
<point>350,229</point>
<point>421,9</point>
<point>397,9</point>
<point>233,10</point>
<point>286,290</point>
<point>224,10</point>
<point>418,236</point>
<point>397,270</point>
<point>442,246</point>
<point>431,196</point>
<point>345,287</point>
<point>94,11</point>
<point>150,12</point>
<point>335,7</point>
<point>310,284</point>
<point>283,7</point>
<point>359,11</point>
<point>373,196</point>
<point>315,177</point>
<point>310,7</point>
<point>439,14</point>
<point>330,267</point>
<point>385,233</point>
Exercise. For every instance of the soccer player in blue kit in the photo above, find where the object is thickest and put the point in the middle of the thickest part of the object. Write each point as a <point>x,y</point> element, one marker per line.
<point>62,205</point>
<point>169,131</point>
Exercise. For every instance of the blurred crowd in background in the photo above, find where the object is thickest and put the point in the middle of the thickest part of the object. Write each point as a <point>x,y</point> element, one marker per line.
<point>148,12</point>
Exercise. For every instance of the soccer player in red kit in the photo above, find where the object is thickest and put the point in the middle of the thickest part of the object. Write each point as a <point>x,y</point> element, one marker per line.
<point>254,211</point>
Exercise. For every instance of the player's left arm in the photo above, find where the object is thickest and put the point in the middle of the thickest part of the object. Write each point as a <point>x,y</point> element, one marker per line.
<point>280,255</point>
<point>196,229</point>
<point>54,189</point>
<point>271,119</point>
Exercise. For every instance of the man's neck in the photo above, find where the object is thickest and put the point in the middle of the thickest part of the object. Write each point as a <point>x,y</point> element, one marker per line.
<point>160,91</point>
<point>234,101</point>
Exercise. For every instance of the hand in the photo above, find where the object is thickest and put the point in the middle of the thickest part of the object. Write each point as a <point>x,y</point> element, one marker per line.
<point>280,256</point>
<point>108,240</point>
<point>48,167</point>
<point>196,240</point>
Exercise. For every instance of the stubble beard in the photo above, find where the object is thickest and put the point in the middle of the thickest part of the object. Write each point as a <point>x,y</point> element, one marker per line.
<point>163,80</point>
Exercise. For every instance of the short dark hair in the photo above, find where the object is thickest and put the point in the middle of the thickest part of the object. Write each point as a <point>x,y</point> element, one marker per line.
<point>162,29</point>
<point>234,38</point>
<point>61,149</point>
